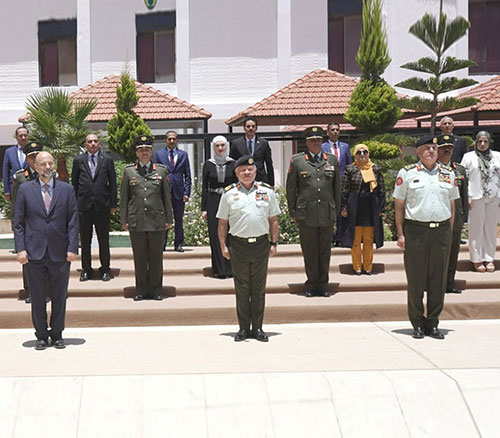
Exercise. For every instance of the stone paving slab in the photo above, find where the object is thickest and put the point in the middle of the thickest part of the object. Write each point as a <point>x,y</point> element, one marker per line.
<point>320,380</point>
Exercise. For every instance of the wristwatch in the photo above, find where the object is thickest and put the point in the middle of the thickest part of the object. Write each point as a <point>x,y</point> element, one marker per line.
<point>273,243</point>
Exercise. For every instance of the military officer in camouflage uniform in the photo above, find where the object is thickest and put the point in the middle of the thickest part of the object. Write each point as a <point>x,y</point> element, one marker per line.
<point>424,203</point>
<point>250,210</point>
<point>146,212</point>
<point>313,195</point>
<point>31,150</point>
<point>445,152</point>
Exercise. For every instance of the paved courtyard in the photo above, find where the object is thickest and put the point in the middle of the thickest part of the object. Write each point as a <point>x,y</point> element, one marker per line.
<point>315,380</point>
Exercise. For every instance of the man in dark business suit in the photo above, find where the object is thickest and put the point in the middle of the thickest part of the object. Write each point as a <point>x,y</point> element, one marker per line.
<point>94,180</point>
<point>46,238</point>
<point>13,160</point>
<point>341,151</point>
<point>179,173</point>
<point>459,144</point>
<point>256,147</point>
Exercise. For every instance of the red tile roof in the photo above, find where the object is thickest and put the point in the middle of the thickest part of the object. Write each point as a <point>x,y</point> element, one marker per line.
<point>153,104</point>
<point>321,93</point>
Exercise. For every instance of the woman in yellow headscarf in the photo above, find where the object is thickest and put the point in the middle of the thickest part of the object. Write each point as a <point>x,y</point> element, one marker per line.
<point>362,205</point>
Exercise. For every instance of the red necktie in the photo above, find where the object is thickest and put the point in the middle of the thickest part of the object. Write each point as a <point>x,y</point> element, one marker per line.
<point>336,150</point>
<point>172,161</point>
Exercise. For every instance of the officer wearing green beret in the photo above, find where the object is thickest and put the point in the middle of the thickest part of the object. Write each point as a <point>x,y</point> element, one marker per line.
<point>146,212</point>
<point>313,195</point>
<point>445,154</point>
<point>250,210</point>
<point>424,203</point>
<point>31,150</point>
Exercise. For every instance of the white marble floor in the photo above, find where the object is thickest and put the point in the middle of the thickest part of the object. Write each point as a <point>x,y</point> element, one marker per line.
<point>311,380</point>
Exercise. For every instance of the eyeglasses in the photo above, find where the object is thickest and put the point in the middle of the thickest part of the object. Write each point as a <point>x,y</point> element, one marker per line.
<point>362,152</point>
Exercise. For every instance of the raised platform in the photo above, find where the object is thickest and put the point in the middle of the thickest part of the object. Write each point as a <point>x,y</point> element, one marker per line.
<point>195,298</point>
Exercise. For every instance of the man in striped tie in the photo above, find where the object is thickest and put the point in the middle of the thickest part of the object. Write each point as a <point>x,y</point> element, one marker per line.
<point>46,238</point>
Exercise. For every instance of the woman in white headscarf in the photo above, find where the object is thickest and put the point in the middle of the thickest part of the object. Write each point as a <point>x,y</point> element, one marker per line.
<point>483,170</point>
<point>218,172</point>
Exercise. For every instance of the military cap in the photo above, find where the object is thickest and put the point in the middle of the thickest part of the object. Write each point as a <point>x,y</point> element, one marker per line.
<point>445,140</point>
<point>245,160</point>
<point>32,147</point>
<point>143,141</point>
<point>427,139</point>
<point>314,132</point>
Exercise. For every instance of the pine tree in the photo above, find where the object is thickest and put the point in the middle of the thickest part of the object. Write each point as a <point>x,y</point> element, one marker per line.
<point>438,34</point>
<point>126,125</point>
<point>373,104</point>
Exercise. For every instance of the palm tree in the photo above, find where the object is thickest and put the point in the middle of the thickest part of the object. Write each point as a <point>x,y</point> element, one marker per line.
<point>59,124</point>
<point>438,34</point>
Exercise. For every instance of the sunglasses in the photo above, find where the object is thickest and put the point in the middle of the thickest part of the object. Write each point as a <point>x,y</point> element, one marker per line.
<point>362,152</point>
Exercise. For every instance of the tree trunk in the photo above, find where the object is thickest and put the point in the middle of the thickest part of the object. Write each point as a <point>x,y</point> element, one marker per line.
<point>62,170</point>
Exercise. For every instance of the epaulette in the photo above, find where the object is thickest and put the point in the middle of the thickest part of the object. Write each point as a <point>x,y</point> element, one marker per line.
<point>130,165</point>
<point>445,167</point>
<point>410,166</point>
<point>265,184</point>
<point>298,155</point>
<point>229,187</point>
<point>160,165</point>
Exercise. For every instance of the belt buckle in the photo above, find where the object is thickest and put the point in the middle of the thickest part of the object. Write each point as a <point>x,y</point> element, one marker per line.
<point>252,240</point>
<point>434,225</point>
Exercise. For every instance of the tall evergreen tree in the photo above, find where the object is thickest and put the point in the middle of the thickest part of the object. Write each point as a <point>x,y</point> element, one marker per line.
<point>126,125</point>
<point>438,34</point>
<point>373,105</point>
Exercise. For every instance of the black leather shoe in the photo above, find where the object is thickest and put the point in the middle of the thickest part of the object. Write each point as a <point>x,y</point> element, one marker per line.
<point>157,297</point>
<point>323,293</point>
<point>84,276</point>
<point>179,248</point>
<point>310,293</point>
<point>59,344</point>
<point>139,297</point>
<point>106,276</point>
<point>434,332</point>
<point>367,272</point>
<point>418,333</point>
<point>28,300</point>
<point>454,291</point>
<point>260,335</point>
<point>41,344</point>
<point>241,335</point>
<point>358,272</point>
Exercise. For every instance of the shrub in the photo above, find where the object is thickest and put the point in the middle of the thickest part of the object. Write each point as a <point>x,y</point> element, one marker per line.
<point>379,150</point>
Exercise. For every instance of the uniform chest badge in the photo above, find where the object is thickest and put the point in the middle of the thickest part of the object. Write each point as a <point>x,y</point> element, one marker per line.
<point>444,177</point>
<point>261,196</point>
<point>330,168</point>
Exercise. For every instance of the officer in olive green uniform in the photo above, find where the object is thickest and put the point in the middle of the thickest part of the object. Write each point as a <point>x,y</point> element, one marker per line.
<point>313,195</point>
<point>146,212</point>
<point>250,210</point>
<point>31,150</point>
<point>424,205</point>
<point>445,153</point>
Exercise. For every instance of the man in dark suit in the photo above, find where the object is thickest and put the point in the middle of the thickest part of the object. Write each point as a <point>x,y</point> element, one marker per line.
<point>46,238</point>
<point>459,145</point>
<point>94,180</point>
<point>13,160</point>
<point>256,147</point>
<point>341,151</point>
<point>179,172</point>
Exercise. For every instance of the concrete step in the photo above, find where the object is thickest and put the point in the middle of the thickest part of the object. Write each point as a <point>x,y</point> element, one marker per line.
<point>280,308</point>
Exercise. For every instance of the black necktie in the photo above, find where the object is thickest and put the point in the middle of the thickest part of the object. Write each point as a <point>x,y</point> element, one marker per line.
<point>250,151</point>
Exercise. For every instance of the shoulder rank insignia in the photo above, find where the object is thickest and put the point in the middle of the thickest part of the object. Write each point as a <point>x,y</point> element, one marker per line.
<point>410,166</point>
<point>265,185</point>
<point>229,187</point>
